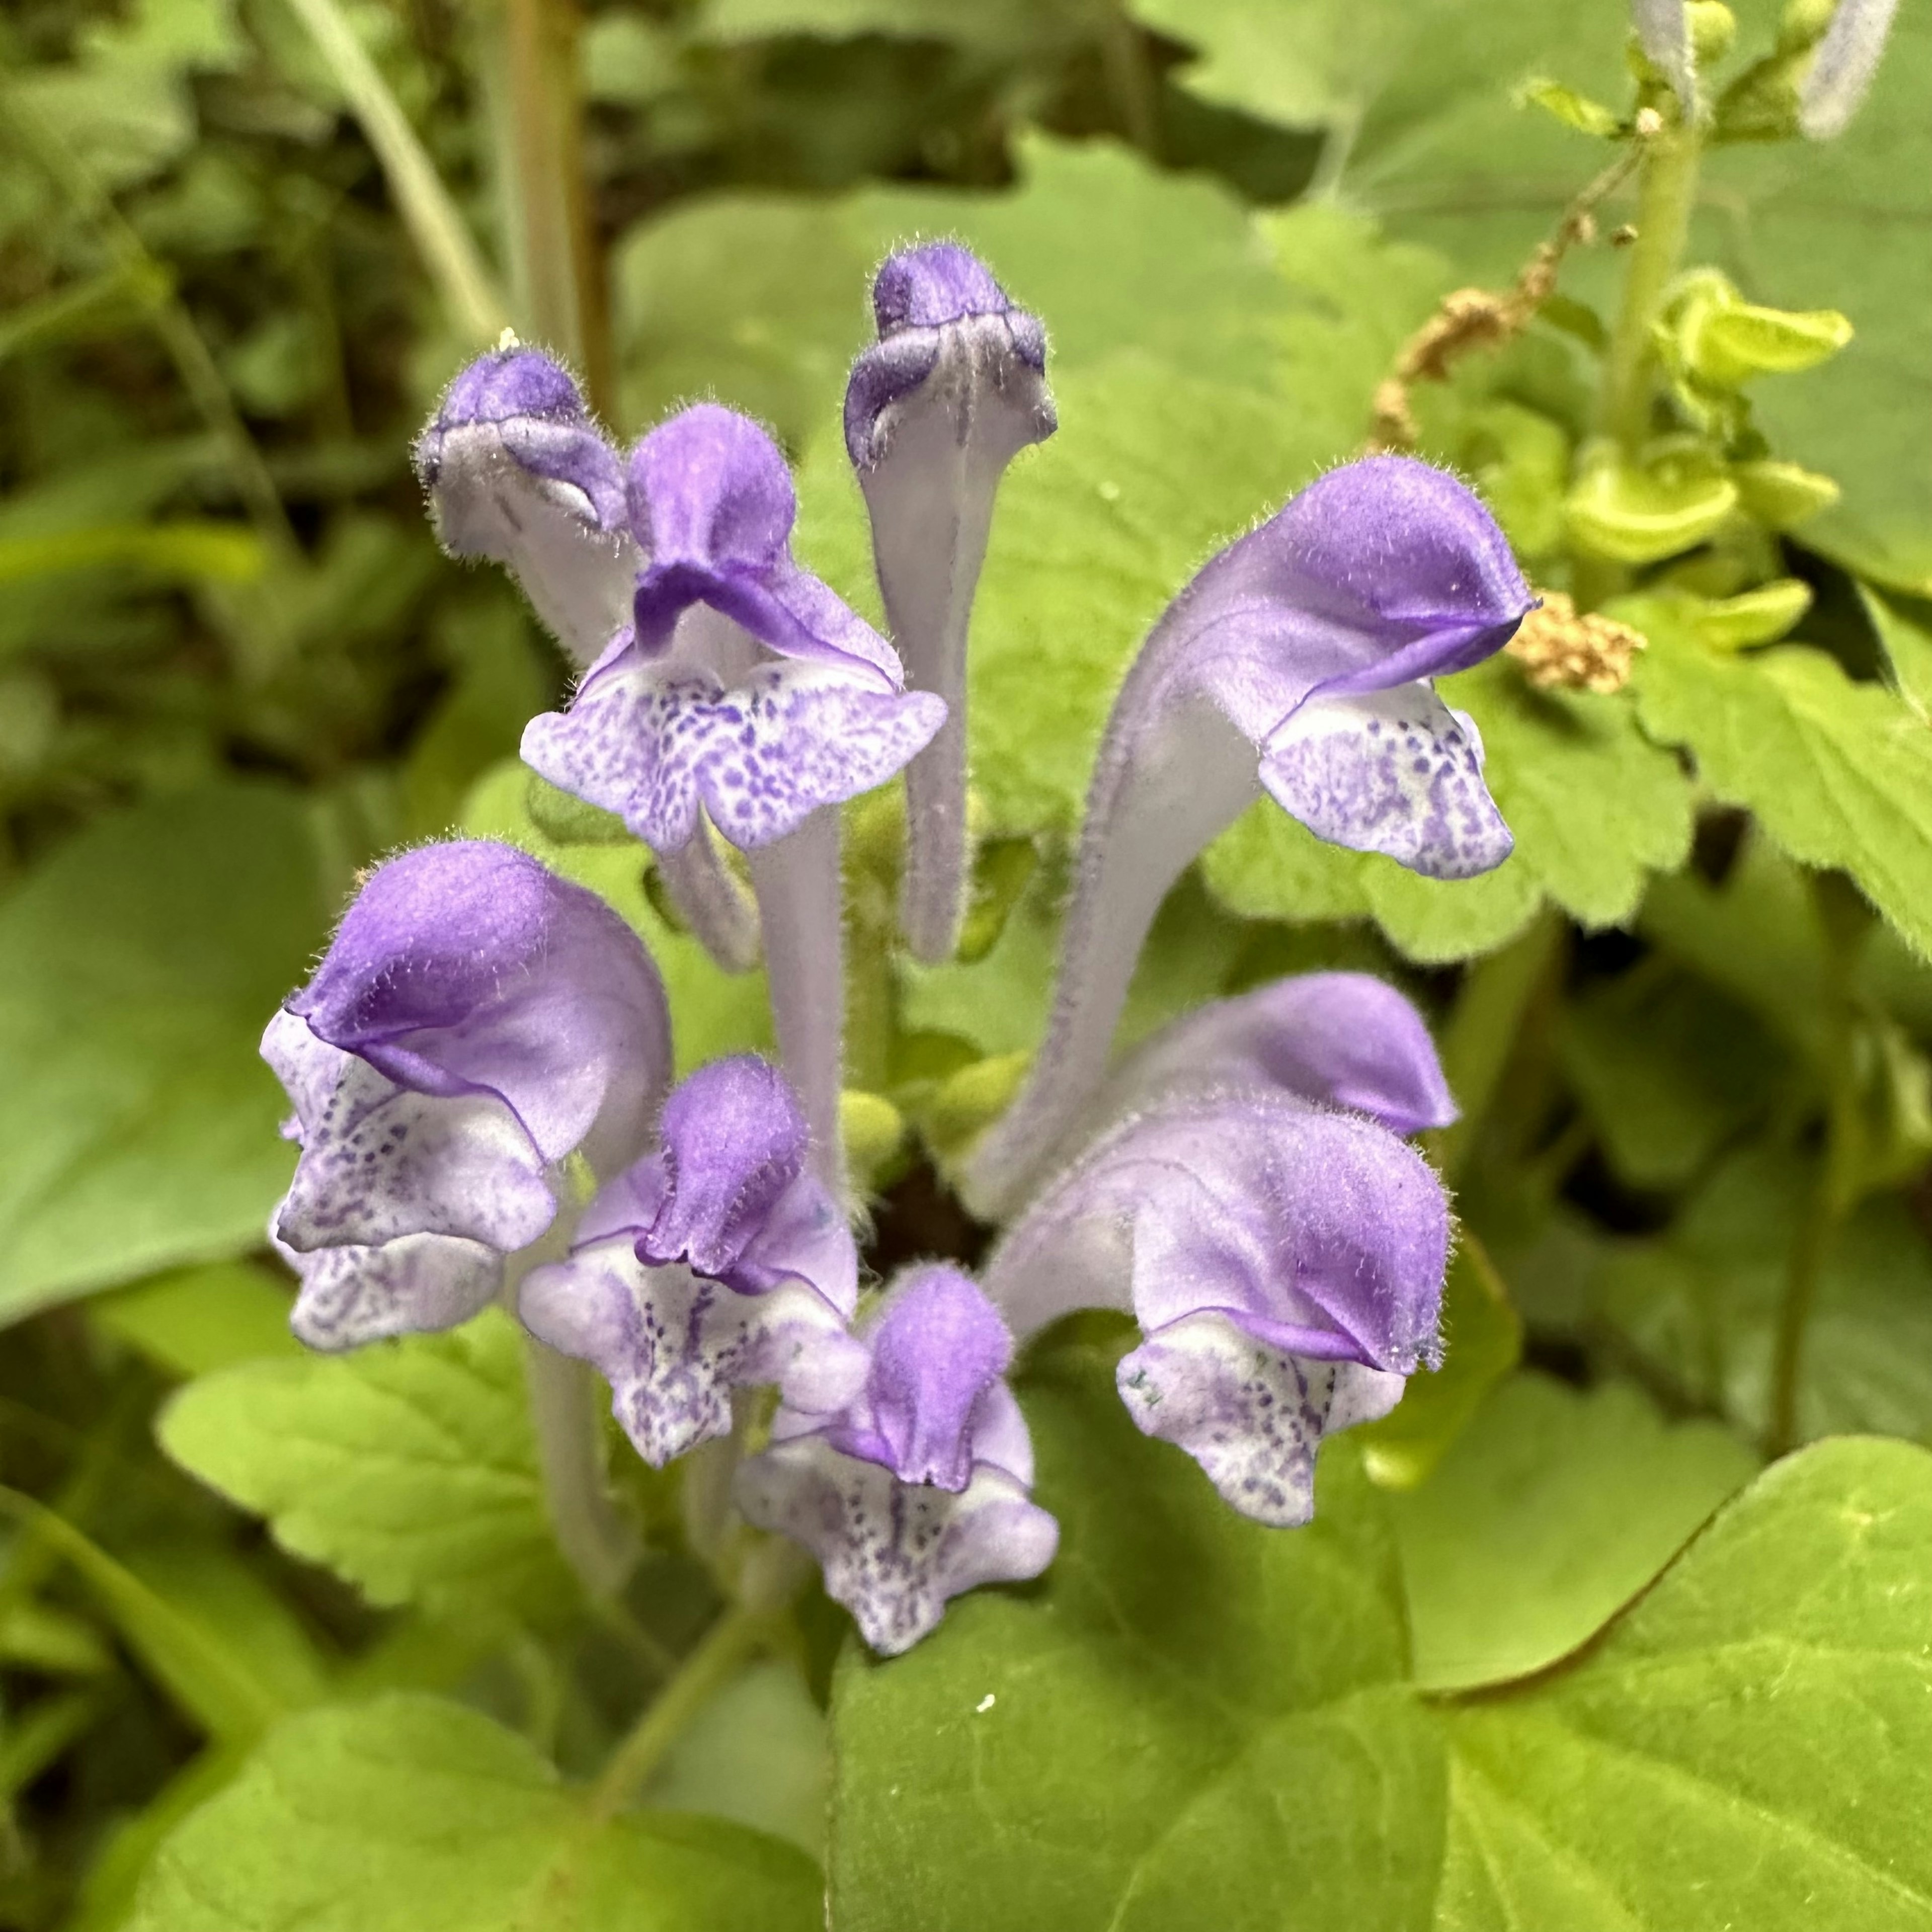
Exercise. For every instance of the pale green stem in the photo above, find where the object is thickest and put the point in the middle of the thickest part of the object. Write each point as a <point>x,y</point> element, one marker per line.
<point>566,1398</point>
<point>1802,1275</point>
<point>727,1647</point>
<point>447,251</point>
<point>1667,192</point>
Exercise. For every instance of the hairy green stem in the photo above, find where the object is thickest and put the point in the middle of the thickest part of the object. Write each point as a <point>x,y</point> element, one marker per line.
<point>730,1643</point>
<point>1667,192</point>
<point>1803,1273</point>
<point>441,238</point>
<point>596,1542</point>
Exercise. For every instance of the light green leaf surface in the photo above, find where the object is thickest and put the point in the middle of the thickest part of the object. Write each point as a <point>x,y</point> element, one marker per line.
<point>194,1321</point>
<point>138,968</point>
<point>409,1814</point>
<point>1700,1303</point>
<point>713,1013</point>
<point>1552,1511</point>
<point>1839,773</point>
<point>1195,1721</point>
<point>409,1467</point>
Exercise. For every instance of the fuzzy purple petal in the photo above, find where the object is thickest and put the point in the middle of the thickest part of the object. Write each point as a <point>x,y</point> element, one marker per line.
<point>654,747</point>
<point>517,472</point>
<point>1318,1232</point>
<point>1347,1039</point>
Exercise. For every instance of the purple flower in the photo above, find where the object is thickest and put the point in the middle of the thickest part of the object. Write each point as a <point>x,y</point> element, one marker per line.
<point>1285,1264</point>
<point>517,472</point>
<point>954,388</point>
<point>717,1261</point>
<point>921,1489</point>
<point>1298,662</point>
<point>1845,64</point>
<point>1344,1038</point>
<point>476,1021</point>
<point>743,685</point>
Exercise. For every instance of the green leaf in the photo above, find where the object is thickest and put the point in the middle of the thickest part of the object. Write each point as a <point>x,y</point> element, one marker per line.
<point>1482,1336</point>
<point>1839,773</point>
<point>1552,1511</point>
<point>410,1469</point>
<point>138,967</point>
<point>713,1012</point>
<point>1667,1071</point>
<point>1908,652</point>
<point>194,1321</point>
<point>1594,807</point>
<point>1751,1744</point>
<point>1111,1749</point>
<point>1196,1720</point>
<point>409,1814</point>
<point>1699,1304</point>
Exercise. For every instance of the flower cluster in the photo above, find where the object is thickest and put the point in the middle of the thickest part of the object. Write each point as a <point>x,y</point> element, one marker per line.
<point>480,1068</point>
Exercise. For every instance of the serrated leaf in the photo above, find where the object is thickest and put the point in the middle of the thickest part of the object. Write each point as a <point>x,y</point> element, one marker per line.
<point>409,1814</point>
<point>1196,1720</point>
<point>410,1469</point>
<point>1751,1744</point>
<point>1839,773</point>
<point>1552,1511</point>
<point>137,969</point>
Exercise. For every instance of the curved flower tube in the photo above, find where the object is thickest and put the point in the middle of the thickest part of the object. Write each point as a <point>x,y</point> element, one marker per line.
<point>717,1261</point>
<point>1663,29</point>
<point>920,1489</point>
<point>1842,69</point>
<point>1297,662</point>
<point>476,1022</point>
<point>743,692</point>
<point>1285,1264</point>
<point>953,389</point>
<point>1347,1039</point>
<point>517,472</point>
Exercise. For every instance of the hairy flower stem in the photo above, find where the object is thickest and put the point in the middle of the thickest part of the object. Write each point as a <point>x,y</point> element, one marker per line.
<point>1667,190</point>
<point>727,1647</point>
<point>710,900</point>
<point>566,1398</point>
<point>801,911</point>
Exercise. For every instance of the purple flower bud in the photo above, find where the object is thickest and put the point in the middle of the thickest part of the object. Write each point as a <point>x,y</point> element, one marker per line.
<point>953,390</point>
<point>1346,1039</point>
<point>921,1489</point>
<point>1285,1264</point>
<point>517,472</point>
<point>475,1021</point>
<point>690,707</point>
<point>717,1261</point>
<point>1846,64</point>
<point>1297,662</point>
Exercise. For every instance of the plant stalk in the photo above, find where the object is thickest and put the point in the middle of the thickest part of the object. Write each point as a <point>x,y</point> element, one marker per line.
<point>1666,193</point>
<point>596,1541</point>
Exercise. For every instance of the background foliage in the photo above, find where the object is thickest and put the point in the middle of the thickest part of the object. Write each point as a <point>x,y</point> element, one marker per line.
<point>286,1640</point>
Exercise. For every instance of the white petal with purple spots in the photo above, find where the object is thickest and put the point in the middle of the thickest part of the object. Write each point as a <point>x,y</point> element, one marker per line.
<point>352,1295</point>
<point>1251,1415</point>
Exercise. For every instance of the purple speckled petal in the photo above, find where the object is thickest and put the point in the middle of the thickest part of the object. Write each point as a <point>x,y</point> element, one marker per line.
<point>894,1553</point>
<point>468,968</point>
<point>1251,1413</point>
<point>938,1346</point>
<point>1344,1038</point>
<point>1397,772</point>
<point>351,1296</point>
<point>673,1344</point>
<point>759,759</point>
<point>1320,1232</point>
<point>516,472</point>
<point>378,1162</point>
<point>1287,664</point>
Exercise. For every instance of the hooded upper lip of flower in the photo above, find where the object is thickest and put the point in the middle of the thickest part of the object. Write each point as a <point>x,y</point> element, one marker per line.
<point>922,298</point>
